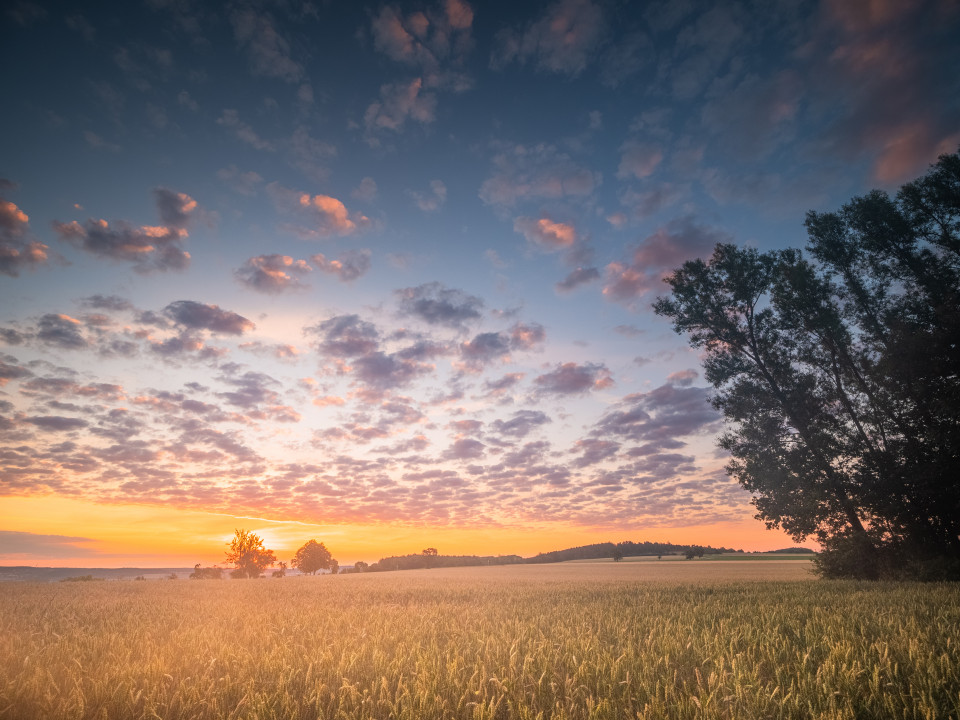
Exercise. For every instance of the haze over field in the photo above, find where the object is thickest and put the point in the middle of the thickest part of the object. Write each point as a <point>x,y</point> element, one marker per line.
<point>381,274</point>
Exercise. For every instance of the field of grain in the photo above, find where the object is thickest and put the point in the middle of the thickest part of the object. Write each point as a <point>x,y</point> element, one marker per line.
<point>735,639</point>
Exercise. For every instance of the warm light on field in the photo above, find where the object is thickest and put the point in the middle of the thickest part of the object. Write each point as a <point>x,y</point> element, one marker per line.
<point>664,640</point>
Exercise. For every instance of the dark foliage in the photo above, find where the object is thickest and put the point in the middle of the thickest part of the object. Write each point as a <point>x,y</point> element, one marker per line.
<point>839,376</point>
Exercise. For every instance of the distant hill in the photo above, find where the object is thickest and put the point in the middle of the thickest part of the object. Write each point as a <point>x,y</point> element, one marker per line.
<point>596,551</point>
<point>628,548</point>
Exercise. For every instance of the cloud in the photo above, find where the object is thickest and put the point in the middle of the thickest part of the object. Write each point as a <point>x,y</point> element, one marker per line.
<point>107,302</point>
<point>639,160</point>
<point>366,191</point>
<point>381,371</point>
<point>573,379</point>
<point>149,248</point>
<point>175,209</point>
<point>17,250</point>
<point>348,267</point>
<point>439,305</point>
<point>10,371</point>
<point>546,233</point>
<point>465,449</point>
<point>198,316</point>
<point>521,424</point>
<point>489,347</point>
<point>659,417</point>
<point>424,39</point>
<point>644,203</point>
<point>682,378</point>
<point>656,256</point>
<point>593,451</point>
<point>57,423</point>
<point>432,200</point>
<point>538,172</point>
<point>576,278</point>
<point>273,273</point>
<point>62,546</point>
<point>485,348</point>
<point>345,336</point>
<point>323,215</point>
<point>500,386</point>
<point>62,331</point>
<point>230,118</point>
<point>267,51</point>
<point>564,40</point>
<point>244,183</point>
<point>398,103</point>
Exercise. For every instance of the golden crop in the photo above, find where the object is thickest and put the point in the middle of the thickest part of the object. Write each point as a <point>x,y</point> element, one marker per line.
<point>581,640</point>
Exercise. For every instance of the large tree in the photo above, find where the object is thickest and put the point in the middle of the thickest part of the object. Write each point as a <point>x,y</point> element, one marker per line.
<point>248,555</point>
<point>313,556</point>
<point>839,376</point>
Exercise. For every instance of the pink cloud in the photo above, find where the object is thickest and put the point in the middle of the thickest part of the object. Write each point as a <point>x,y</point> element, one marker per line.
<point>17,251</point>
<point>398,103</point>
<point>323,215</point>
<point>546,233</point>
<point>523,173</point>
<point>639,160</point>
<point>563,40</point>
<point>148,247</point>
<point>574,379</point>
<point>273,273</point>
<point>658,254</point>
<point>909,149</point>
<point>348,267</point>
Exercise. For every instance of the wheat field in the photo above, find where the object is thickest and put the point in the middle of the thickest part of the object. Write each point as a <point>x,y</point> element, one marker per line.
<point>579,640</point>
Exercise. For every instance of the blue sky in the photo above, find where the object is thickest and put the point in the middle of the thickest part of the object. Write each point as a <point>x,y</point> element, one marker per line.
<point>391,265</point>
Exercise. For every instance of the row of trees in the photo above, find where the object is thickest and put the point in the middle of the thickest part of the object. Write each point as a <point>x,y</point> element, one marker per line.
<point>838,372</point>
<point>250,559</point>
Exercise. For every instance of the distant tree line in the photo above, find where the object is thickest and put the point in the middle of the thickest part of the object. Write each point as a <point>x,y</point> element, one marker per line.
<point>623,549</point>
<point>250,558</point>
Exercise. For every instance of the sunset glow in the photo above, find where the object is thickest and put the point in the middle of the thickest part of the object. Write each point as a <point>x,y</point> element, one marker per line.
<point>381,274</point>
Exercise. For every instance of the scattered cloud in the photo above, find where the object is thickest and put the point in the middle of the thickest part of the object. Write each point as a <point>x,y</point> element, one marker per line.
<point>273,273</point>
<point>433,200</point>
<point>199,316</point>
<point>398,103</point>
<point>573,379</point>
<point>658,255</point>
<point>230,118</point>
<point>545,233</point>
<point>322,215</point>
<point>18,251</point>
<point>564,40</point>
<point>267,50</point>
<point>347,268</point>
<point>436,304</point>
<point>538,172</point>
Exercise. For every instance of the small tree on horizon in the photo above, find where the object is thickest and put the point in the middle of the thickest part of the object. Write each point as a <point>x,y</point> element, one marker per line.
<point>313,556</point>
<point>248,555</point>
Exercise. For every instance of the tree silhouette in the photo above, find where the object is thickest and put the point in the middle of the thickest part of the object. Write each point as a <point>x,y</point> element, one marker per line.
<point>311,557</point>
<point>248,555</point>
<point>839,376</point>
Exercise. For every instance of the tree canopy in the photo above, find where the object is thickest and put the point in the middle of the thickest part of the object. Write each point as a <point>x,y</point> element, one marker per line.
<point>248,555</point>
<point>839,375</point>
<point>313,556</point>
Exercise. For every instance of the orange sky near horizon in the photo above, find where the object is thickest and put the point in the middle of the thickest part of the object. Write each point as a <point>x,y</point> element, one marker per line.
<point>150,536</point>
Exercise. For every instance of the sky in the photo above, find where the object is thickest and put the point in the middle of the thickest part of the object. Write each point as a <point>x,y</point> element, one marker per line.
<point>381,274</point>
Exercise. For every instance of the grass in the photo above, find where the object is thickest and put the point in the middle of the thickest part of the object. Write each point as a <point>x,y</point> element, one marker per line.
<point>577,640</point>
